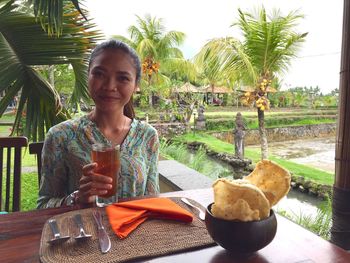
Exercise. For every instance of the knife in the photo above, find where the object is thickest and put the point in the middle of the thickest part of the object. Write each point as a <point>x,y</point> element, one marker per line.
<point>105,242</point>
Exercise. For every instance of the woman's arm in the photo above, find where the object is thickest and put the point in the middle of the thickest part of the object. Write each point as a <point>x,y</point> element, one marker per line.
<point>53,188</point>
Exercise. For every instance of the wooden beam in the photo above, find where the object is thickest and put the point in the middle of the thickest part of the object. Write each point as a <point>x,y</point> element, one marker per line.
<point>342,147</point>
<point>340,232</point>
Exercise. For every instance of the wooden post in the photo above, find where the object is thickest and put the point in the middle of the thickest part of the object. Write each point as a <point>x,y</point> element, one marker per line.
<point>340,232</point>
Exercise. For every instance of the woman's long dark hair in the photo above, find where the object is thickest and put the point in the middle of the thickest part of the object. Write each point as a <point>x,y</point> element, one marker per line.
<point>118,45</point>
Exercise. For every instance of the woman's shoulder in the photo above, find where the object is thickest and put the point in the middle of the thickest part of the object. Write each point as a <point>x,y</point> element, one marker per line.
<point>68,126</point>
<point>144,127</point>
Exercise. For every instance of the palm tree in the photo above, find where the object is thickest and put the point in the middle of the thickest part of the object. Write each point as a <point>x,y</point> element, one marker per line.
<point>158,50</point>
<point>210,69</point>
<point>25,46</point>
<point>268,45</point>
<point>299,99</point>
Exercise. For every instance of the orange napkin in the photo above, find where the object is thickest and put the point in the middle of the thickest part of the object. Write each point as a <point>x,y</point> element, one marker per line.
<point>127,216</point>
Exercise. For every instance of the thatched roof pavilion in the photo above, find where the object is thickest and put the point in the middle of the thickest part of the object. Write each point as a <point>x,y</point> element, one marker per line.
<point>186,88</point>
<point>217,90</point>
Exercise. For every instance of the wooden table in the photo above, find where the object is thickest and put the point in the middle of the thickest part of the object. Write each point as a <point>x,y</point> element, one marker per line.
<point>20,234</point>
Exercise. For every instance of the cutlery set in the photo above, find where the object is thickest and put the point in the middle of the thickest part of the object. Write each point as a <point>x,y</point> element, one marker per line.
<point>105,243</point>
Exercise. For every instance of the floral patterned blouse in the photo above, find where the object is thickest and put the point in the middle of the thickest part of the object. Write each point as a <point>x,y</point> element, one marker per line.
<point>67,149</point>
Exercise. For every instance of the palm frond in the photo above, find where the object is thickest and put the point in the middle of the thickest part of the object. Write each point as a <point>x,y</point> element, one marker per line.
<point>146,48</point>
<point>151,40</point>
<point>179,68</point>
<point>23,46</point>
<point>125,40</point>
<point>270,41</point>
<point>135,34</point>
<point>50,14</point>
<point>171,39</point>
<point>80,90</point>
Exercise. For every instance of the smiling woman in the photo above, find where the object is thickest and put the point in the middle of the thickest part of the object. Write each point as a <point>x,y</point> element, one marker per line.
<point>68,174</point>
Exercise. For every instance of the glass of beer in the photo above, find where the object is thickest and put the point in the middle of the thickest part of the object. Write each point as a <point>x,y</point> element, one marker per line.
<point>107,157</point>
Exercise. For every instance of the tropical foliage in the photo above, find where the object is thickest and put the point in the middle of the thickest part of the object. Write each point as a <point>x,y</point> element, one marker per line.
<point>269,43</point>
<point>209,65</point>
<point>51,15</point>
<point>25,47</point>
<point>159,52</point>
<point>320,223</point>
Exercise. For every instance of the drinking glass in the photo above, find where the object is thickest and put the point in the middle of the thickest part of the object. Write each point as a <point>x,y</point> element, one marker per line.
<point>107,157</point>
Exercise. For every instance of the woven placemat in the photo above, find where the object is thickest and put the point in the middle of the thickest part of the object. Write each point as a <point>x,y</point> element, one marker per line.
<point>152,238</point>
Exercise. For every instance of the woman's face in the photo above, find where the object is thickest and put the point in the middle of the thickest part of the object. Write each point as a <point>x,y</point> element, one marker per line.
<point>112,79</point>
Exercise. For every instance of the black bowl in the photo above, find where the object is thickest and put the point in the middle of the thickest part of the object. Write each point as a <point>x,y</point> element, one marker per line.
<point>241,237</point>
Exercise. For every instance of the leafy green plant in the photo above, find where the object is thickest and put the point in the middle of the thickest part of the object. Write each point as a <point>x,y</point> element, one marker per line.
<point>320,224</point>
<point>174,151</point>
<point>197,161</point>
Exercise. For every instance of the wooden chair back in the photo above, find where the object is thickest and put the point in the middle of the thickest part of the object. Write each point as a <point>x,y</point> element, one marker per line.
<point>12,168</point>
<point>36,148</point>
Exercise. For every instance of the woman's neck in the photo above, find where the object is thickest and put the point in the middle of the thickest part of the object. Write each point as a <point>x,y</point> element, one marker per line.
<point>114,127</point>
<point>114,121</point>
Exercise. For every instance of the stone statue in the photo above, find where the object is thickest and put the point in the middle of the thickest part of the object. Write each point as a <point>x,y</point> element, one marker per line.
<point>161,117</point>
<point>238,134</point>
<point>200,121</point>
<point>201,113</point>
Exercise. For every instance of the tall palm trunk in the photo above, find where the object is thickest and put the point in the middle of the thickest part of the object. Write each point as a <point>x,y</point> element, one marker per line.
<point>263,137</point>
<point>150,96</point>
<point>212,93</point>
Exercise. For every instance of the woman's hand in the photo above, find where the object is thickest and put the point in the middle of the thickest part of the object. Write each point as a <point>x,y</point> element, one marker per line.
<point>92,184</point>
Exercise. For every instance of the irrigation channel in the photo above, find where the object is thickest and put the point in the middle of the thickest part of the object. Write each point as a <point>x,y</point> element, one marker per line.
<point>318,153</point>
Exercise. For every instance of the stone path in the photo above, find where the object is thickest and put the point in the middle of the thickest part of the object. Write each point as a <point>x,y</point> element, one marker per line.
<point>29,169</point>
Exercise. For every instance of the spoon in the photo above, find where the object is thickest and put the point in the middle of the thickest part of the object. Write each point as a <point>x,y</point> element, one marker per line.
<point>57,238</point>
<point>201,213</point>
<point>82,235</point>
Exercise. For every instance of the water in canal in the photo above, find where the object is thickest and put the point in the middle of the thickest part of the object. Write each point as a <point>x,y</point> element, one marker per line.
<point>297,203</point>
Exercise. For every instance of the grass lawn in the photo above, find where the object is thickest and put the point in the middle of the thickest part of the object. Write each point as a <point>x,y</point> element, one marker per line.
<point>296,169</point>
<point>9,116</point>
<point>273,112</point>
<point>29,181</point>
<point>5,131</point>
<point>29,191</point>
<point>28,160</point>
<point>230,113</point>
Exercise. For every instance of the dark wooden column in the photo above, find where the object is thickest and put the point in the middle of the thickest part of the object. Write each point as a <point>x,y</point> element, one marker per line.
<point>340,233</point>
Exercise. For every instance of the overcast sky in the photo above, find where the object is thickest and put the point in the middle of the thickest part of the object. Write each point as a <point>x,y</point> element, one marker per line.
<point>201,20</point>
